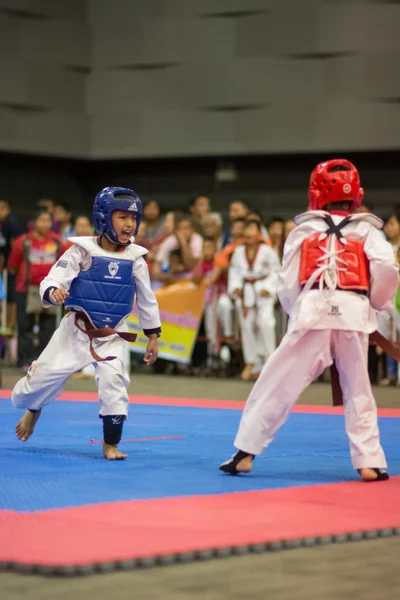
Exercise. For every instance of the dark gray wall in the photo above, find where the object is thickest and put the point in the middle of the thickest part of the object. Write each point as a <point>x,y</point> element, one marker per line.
<point>166,78</point>
<point>44,62</point>
<point>215,77</point>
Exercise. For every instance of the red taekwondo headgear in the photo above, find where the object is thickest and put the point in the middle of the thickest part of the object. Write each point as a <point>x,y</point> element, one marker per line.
<point>335,180</point>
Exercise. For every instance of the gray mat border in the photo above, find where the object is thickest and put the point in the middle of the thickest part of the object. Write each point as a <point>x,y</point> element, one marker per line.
<point>200,555</point>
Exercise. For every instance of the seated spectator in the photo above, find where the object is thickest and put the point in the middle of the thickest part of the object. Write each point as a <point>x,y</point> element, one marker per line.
<point>47,205</point>
<point>199,207</point>
<point>32,256</point>
<point>141,236</point>
<point>391,229</point>
<point>200,272</point>
<point>238,209</point>
<point>83,226</point>
<point>288,226</point>
<point>212,228</point>
<point>175,268</point>
<point>62,214</point>
<point>153,220</point>
<point>167,230</point>
<point>186,240</point>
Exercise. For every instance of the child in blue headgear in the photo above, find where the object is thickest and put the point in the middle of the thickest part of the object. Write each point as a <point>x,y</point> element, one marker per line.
<point>97,279</point>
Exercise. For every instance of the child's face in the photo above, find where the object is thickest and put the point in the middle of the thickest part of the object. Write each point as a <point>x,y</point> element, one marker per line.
<point>237,230</point>
<point>275,231</point>
<point>208,251</point>
<point>392,228</point>
<point>83,226</point>
<point>124,224</point>
<point>238,210</point>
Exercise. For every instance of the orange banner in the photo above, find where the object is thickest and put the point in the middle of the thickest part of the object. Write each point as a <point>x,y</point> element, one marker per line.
<point>181,307</point>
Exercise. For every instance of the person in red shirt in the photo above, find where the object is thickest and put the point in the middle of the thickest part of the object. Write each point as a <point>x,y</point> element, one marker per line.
<point>32,256</point>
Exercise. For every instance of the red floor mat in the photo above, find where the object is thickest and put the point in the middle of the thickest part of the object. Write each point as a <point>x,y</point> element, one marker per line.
<point>122,531</point>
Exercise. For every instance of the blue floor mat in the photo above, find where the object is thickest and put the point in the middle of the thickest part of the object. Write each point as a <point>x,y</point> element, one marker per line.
<point>58,467</point>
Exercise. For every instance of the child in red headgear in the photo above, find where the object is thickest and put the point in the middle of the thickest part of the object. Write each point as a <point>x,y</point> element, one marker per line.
<point>337,272</point>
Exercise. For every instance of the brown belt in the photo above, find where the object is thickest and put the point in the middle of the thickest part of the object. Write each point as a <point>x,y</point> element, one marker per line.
<point>101,332</point>
<point>252,281</point>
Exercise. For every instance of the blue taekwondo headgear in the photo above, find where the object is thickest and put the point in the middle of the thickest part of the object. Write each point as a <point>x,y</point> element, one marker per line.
<point>106,203</point>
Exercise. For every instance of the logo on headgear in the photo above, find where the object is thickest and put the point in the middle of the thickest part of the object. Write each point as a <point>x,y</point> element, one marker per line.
<point>133,206</point>
<point>113,268</point>
<point>347,188</point>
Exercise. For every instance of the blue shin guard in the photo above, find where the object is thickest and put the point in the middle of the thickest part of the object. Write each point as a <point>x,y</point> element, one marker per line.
<point>112,429</point>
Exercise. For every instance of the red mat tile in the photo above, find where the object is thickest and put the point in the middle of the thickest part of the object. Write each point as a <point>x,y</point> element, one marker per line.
<point>204,403</point>
<point>145,528</point>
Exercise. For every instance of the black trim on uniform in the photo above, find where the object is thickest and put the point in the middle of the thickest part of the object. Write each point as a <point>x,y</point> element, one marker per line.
<point>150,332</point>
<point>47,293</point>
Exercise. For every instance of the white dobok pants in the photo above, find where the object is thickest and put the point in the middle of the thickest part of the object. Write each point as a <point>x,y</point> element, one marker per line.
<point>67,352</point>
<point>257,330</point>
<point>225,315</point>
<point>301,358</point>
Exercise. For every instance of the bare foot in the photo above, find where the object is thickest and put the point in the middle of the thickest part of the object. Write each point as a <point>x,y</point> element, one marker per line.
<point>246,373</point>
<point>241,462</point>
<point>371,475</point>
<point>245,465</point>
<point>26,425</point>
<point>112,453</point>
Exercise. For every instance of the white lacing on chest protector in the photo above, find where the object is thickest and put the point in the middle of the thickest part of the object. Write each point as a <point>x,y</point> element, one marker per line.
<point>329,264</point>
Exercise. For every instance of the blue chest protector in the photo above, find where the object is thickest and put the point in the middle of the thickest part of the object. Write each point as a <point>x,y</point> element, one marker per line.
<point>105,292</point>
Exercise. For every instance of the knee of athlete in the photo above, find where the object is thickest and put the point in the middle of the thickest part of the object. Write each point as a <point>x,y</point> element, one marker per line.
<point>224,302</point>
<point>112,429</point>
<point>18,399</point>
<point>116,380</point>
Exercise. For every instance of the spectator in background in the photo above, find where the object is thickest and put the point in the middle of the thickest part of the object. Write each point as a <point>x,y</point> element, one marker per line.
<point>391,229</point>
<point>176,268</point>
<point>288,226</point>
<point>199,208</point>
<point>253,281</point>
<point>62,214</point>
<point>275,234</point>
<point>255,215</point>
<point>186,240</point>
<point>153,220</point>
<point>83,226</point>
<point>167,230</point>
<point>10,229</point>
<point>47,205</point>
<point>212,229</point>
<point>204,268</point>
<point>238,209</point>
<point>141,237</point>
<point>169,223</point>
<point>32,256</point>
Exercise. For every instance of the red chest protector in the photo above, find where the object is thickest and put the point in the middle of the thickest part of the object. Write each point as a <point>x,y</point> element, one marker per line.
<point>355,277</point>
